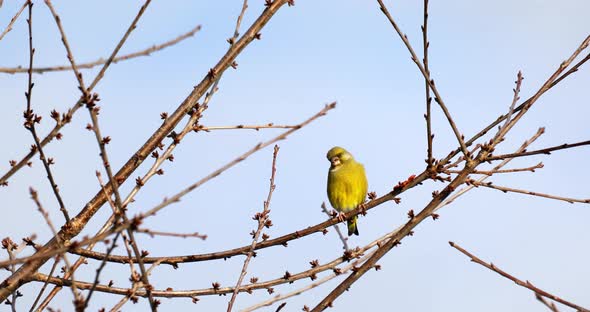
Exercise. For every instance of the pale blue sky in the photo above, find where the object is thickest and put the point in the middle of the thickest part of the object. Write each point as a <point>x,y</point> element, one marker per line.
<point>311,54</point>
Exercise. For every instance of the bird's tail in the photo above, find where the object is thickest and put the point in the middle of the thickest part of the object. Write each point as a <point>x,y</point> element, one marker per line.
<point>352,229</point>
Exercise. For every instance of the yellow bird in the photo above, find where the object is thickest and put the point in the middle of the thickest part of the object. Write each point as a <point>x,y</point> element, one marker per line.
<point>347,184</point>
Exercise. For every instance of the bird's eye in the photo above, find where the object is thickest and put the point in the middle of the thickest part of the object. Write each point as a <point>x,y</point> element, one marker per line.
<point>335,161</point>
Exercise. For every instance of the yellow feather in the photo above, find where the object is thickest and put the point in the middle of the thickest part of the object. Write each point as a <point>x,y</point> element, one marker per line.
<point>347,184</point>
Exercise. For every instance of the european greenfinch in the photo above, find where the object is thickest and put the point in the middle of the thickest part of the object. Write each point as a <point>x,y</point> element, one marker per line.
<point>347,184</point>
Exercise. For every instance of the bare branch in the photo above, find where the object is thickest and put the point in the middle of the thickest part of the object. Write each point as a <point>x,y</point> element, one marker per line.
<point>517,281</point>
<point>343,238</point>
<point>79,222</point>
<point>31,119</point>
<point>514,190</point>
<point>263,220</point>
<point>182,235</point>
<point>427,116</point>
<point>492,172</point>
<point>428,79</point>
<point>548,304</point>
<point>46,282</point>
<point>315,284</point>
<point>501,118</point>
<point>545,151</point>
<point>101,61</point>
<point>251,127</point>
<point>12,21</point>
<point>67,117</point>
<point>464,190</point>
<point>78,301</point>
<point>43,253</point>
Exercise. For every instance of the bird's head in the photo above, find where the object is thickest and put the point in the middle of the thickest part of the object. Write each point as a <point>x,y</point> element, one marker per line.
<point>338,156</point>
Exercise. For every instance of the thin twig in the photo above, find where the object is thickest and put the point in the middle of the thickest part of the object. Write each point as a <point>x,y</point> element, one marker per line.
<point>78,300</point>
<point>73,228</point>
<point>343,238</point>
<point>256,148</point>
<point>31,119</point>
<point>130,294</point>
<point>517,281</point>
<point>134,277</point>
<point>64,40</point>
<point>315,284</point>
<point>438,99</point>
<point>182,235</point>
<point>263,220</point>
<point>464,190</point>
<point>501,118</point>
<point>109,249</point>
<point>544,88</point>
<point>12,21</point>
<point>46,282</point>
<point>10,247</point>
<point>99,270</point>
<point>35,261</point>
<point>144,52</point>
<point>548,304</point>
<point>41,254</point>
<point>545,151</point>
<point>120,209</point>
<point>80,260</point>
<point>427,116</point>
<point>492,172</point>
<point>93,111</point>
<point>311,273</point>
<point>251,127</point>
<point>515,99</point>
<point>514,190</point>
<point>67,117</point>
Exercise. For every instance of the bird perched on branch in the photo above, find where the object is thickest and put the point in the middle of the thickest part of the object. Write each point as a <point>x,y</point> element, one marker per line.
<point>347,184</point>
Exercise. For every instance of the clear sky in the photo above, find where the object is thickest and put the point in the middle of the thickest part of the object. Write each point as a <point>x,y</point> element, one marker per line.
<point>311,54</point>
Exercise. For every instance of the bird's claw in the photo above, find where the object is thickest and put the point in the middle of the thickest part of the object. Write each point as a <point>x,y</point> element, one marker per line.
<point>341,216</point>
<point>363,209</point>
